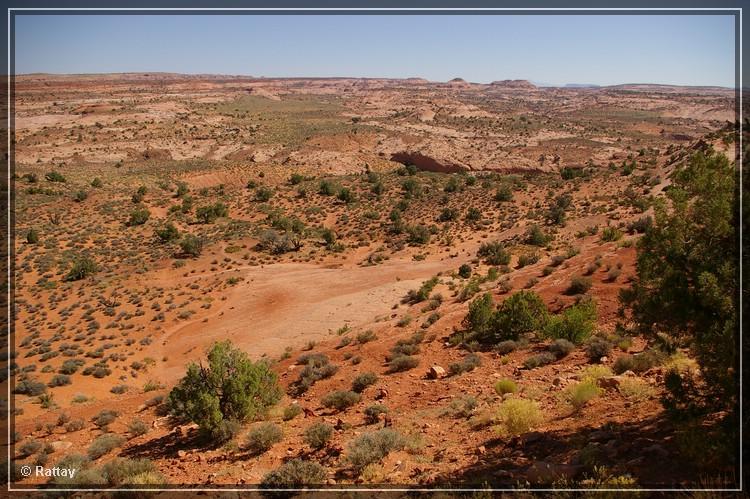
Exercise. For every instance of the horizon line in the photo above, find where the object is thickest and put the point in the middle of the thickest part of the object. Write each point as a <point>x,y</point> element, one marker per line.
<point>404,78</point>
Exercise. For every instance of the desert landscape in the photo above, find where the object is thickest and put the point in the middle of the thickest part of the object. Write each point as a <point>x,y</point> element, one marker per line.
<point>435,284</point>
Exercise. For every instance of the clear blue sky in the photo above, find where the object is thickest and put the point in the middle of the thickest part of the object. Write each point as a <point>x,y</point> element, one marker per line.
<point>554,49</point>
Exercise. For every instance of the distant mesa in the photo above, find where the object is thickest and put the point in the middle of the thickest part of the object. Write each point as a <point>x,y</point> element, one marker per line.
<point>459,82</point>
<point>514,84</point>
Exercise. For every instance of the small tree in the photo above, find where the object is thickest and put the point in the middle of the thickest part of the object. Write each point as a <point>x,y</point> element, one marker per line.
<point>230,388</point>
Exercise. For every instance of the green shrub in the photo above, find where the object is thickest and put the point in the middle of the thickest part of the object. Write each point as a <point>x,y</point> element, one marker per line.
<point>104,444</point>
<point>341,399</point>
<point>123,471</point>
<point>318,435</point>
<point>580,394</point>
<point>561,348</point>
<point>528,259</point>
<point>80,196</point>
<point>59,380</point>
<point>317,367</point>
<point>363,380</point>
<point>401,363</point>
<point>345,195</point>
<point>494,253</point>
<point>517,416</point>
<point>54,176</point>
<point>29,447</point>
<point>575,324</point>
<point>291,412</point>
<point>295,474</point>
<point>469,363</point>
<point>230,387</point>
<point>104,418</point>
<point>504,386</point>
<point>503,194</point>
<point>418,234</point>
<point>137,427</point>
<point>539,360</point>
<point>32,236</point>
<point>138,216</point>
<point>262,437</point>
<point>83,266</point>
<point>464,271</point>
<point>610,233</point>
<point>422,293</point>
<point>366,336</point>
<point>523,312</point>
<point>263,194</point>
<point>191,245</point>
<point>167,233</point>
<point>536,237</point>
<point>96,183</point>
<point>208,214</point>
<point>578,285</point>
<point>372,447</point>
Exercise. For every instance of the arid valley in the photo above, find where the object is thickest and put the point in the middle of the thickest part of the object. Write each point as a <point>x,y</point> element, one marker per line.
<point>358,238</point>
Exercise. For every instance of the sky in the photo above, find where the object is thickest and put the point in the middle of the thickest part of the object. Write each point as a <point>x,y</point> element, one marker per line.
<point>548,49</point>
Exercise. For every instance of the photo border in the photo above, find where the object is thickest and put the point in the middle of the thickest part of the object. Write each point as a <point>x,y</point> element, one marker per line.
<point>384,10</point>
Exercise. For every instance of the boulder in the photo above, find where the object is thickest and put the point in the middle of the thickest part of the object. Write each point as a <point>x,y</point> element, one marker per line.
<point>436,372</point>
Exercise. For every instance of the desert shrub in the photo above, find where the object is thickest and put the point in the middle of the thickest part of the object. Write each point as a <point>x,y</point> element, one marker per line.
<point>80,196</point>
<point>418,234</point>
<point>579,285</point>
<point>167,233</point>
<point>528,259</point>
<point>494,253</point>
<point>29,447</point>
<point>340,399</point>
<point>373,412</point>
<point>561,348</point>
<point>469,363</point>
<point>105,417</point>
<point>32,236</point>
<point>641,225</point>
<point>82,267</point>
<point>296,178</point>
<point>448,215</point>
<point>138,216</point>
<point>574,324</point>
<point>536,236</point>
<point>231,387</point>
<point>635,389</point>
<point>504,194</point>
<point>70,366</point>
<point>104,444</point>
<point>317,367</point>
<point>75,425</point>
<point>581,393</point>
<point>31,387</point>
<point>208,214</point>
<point>54,176</point>
<point>137,427</point>
<point>120,471</point>
<point>318,435</point>
<point>372,447</point>
<point>401,363</point>
<point>539,360</point>
<point>597,347</point>
<point>363,380</point>
<point>345,195</point>
<point>291,412</point>
<point>505,347</point>
<point>610,233</point>
<point>366,336</point>
<point>59,380</point>
<point>263,194</point>
<point>464,271</point>
<point>462,406</point>
<point>517,416</point>
<point>191,245</point>
<point>294,474</point>
<point>504,386</point>
<point>262,437</point>
<point>96,183</point>
<point>422,293</point>
<point>523,312</point>
<point>326,188</point>
<point>638,363</point>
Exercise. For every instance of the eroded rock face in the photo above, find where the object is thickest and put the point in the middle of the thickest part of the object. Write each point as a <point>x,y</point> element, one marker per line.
<point>427,163</point>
